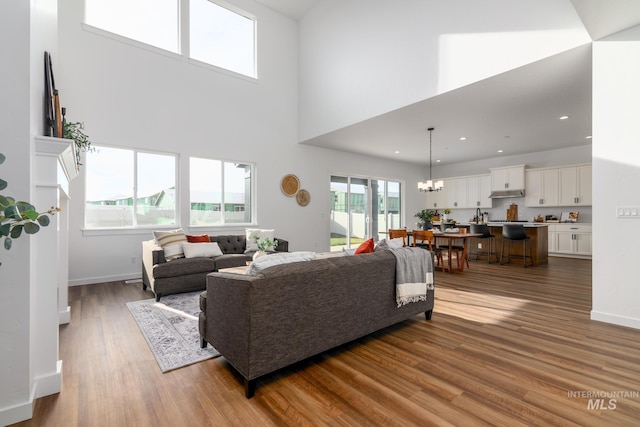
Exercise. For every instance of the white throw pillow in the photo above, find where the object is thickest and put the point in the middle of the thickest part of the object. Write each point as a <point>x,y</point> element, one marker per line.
<point>278,258</point>
<point>171,242</point>
<point>193,250</point>
<point>262,234</point>
<point>385,244</point>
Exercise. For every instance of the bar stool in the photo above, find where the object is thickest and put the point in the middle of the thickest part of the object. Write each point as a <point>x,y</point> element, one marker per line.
<point>515,232</point>
<point>486,234</point>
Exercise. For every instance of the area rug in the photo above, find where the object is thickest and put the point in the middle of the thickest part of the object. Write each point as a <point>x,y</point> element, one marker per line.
<point>170,327</point>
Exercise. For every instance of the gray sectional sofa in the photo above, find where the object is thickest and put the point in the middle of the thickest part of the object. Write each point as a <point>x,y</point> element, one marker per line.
<point>290,312</point>
<point>189,274</point>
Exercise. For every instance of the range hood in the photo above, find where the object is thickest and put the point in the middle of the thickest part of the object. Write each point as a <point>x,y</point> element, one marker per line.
<point>505,194</point>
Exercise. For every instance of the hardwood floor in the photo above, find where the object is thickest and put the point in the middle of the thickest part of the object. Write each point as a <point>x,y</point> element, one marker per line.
<point>506,346</point>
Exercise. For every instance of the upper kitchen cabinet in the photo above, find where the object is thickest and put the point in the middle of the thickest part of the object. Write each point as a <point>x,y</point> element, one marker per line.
<point>575,185</point>
<point>507,178</point>
<point>478,191</point>
<point>436,199</point>
<point>455,190</point>
<point>541,187</point>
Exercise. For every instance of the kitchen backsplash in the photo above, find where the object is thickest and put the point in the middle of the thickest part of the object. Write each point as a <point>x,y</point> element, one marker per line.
<point>500,206</point>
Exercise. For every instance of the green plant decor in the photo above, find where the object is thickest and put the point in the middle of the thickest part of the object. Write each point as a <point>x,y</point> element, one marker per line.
<point>425,215</point>
<point>17,216</point>
<point>264,244</point>
<point>75,131</point>
<point>447,211</point>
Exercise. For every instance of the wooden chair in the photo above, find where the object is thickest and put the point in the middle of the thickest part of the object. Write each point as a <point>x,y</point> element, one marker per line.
<point>457,249</point>
<point>398,232</point>
<point>427,241</point>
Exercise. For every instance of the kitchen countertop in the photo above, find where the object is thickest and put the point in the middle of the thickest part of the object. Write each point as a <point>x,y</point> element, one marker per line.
<point>500,224</point>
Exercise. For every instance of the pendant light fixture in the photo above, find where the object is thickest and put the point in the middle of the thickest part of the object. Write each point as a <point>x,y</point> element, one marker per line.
<point>429,186</point>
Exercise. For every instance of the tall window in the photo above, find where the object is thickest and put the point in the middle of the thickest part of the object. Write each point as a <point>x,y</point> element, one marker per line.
<point>220,192</point>
<point>128,188</point>
<point>222,37</point>
<point>154,22</point>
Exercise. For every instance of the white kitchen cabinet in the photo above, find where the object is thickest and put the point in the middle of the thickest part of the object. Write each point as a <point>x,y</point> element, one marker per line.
<point>478,191</point>
<point>571,240</point>
<point>575,186</point>
<point>542,187</point>
<point>455,190</point>
<point>436,199</point>
<point>507,178</point>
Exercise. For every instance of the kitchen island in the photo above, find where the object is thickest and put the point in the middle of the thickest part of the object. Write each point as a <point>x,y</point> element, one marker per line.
<point>538,232</point>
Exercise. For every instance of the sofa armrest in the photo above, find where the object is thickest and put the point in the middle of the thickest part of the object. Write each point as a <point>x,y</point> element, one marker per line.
<point>283,245</point>
<point>152,254</point>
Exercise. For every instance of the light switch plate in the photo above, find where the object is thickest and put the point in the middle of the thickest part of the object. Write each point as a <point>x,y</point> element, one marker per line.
<point>628,212</point>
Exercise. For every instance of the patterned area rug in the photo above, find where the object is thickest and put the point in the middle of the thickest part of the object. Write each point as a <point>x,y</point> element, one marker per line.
<point>171,329</point>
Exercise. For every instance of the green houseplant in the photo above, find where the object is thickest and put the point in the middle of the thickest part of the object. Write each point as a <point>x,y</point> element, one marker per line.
<point>18,216</point>
<point>75,131</point>
<point>426,216</point>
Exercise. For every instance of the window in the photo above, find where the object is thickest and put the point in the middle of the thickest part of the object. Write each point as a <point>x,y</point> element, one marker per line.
<point>222,37</point>
<point>128,188</point>
<point>154,22</point>
<point>220,192</point>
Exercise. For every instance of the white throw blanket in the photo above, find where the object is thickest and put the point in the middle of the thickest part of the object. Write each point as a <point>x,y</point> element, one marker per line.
<point>414,274</point>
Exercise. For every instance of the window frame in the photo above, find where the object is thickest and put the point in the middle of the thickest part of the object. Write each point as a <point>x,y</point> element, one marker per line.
<point>136,228</point>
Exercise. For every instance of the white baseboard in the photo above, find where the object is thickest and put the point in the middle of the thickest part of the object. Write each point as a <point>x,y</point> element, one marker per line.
<point>615,319</point>
<point>50,383</point>
<point>20,412</point>
<point>103,279</point>
<point>64,316</point>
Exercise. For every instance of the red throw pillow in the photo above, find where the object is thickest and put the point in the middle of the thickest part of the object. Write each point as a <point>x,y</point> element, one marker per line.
<point>202,238</point>
<point>365,247</point>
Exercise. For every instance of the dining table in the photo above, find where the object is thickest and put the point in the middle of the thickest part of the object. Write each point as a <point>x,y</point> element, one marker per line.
<point>450,237</point>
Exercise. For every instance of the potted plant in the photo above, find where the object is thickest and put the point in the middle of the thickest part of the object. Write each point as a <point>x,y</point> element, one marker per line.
<point>263,244</point>
<point>445,215</point>
<point>426,216</point>
<point>75,131</point>
<point>17,216</point>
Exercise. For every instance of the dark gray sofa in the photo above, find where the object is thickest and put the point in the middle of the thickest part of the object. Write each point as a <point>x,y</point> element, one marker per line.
<point>290,312</point>
<point>189,274</point>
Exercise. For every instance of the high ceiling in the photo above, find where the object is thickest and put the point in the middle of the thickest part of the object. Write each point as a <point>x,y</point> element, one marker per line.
<point>518,111</point>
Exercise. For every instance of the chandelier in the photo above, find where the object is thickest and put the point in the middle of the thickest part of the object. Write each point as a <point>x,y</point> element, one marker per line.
<point>429,186</point>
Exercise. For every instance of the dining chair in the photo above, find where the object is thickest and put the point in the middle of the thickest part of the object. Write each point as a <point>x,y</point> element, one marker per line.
<point>486,235</point>
<point>515,232</point>
<point>427,241</point>
<point>398,232</point>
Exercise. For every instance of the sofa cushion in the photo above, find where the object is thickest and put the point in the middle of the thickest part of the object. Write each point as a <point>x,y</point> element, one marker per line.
<point>171,242</point>
<point>261,263</point>
<point>200,238</point>
<point>230,244</point>
<point>183,267</point>
<point>231,260</point>
<point>193,250</point>
<point>365,247</point>
<point>252,233</point>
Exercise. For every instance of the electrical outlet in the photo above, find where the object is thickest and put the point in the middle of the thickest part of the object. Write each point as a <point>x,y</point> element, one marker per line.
<point>479,245</point>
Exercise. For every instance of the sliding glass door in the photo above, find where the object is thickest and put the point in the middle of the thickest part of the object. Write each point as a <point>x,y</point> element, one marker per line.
<point>362,208</point>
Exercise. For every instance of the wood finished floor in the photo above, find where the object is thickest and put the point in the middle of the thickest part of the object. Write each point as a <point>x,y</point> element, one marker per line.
<point>505,347</point>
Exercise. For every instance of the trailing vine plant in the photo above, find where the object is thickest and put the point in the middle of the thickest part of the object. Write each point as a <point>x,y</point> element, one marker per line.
<point>75,131</point>
<point>18,216</point>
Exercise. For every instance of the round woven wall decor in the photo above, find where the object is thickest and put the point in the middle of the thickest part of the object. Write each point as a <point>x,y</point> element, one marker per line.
<point>290,185</point>
<point>303,197</point>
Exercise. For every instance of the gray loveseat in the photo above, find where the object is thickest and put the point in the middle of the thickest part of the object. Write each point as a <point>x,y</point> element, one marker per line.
<point>291,312</point>
<point>189,274</point>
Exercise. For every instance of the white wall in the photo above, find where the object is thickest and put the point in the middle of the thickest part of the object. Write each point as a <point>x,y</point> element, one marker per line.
<point>363,58</point>
<point>132,96</point>
<point>616,175</point>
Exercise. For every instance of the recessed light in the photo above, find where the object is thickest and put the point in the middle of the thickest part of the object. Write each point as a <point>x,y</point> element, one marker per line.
<point>438,161</point>
<point>563,117</point>
<point>397,152</point>
<point>463,138</point>
<point>500,151</point>
<point>588,137</point>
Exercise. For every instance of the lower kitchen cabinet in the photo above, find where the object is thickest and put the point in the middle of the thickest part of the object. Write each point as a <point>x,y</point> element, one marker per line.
<point>570,240</point>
